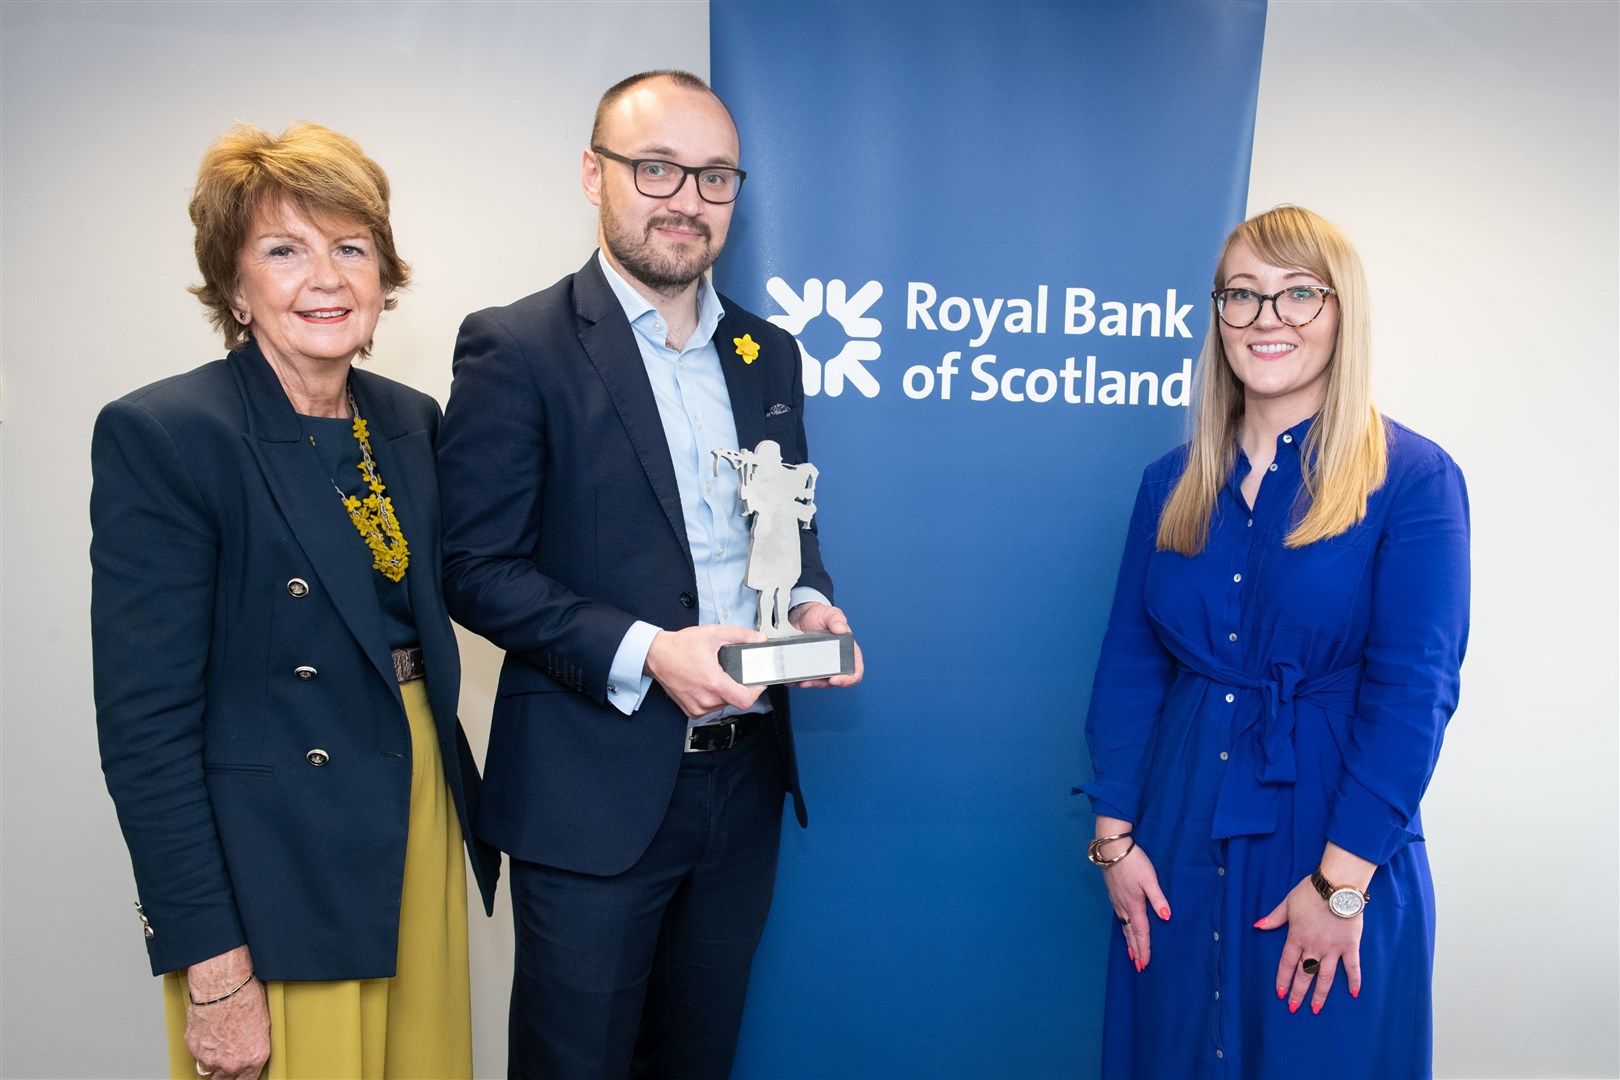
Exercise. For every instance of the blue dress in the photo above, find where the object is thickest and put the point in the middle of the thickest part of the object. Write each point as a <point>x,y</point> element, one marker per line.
<point>1251,703</point>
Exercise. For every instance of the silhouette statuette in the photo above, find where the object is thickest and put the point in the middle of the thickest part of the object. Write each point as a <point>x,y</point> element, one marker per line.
<point>780,498</point>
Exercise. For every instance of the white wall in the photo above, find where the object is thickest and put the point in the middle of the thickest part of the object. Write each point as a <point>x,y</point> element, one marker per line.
<point>1468,149</point>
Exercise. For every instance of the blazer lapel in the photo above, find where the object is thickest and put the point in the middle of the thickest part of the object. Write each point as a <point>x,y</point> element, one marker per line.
<point>744,381</point>
<point>404,456</point>
<point>611,346</point>
<point>307,501</point>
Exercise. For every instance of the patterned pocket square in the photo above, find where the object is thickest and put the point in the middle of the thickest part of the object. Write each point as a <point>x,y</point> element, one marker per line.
<point>778,409</point>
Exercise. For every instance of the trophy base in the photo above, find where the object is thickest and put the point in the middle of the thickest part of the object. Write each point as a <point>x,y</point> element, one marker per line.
<point>789,660</point>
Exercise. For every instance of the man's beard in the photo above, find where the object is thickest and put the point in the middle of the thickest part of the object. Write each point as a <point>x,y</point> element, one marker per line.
<point>660,270</point>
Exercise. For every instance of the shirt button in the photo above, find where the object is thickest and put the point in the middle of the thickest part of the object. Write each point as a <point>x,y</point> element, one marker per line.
<point>1217,935</point>
<point>1237,577</point>
<point>1217,998</point>
<point>1288,438</point>
<point>707,486</point>
<point>1220,871</point>
<point>1251,523</point>
<point>1231,637</point>
<point>1218,1055</point>
<point>1231,698</point>
<point>725,613</point>
<point>1272,467</point>
<point>699,425</point>
<point>1223,755</point>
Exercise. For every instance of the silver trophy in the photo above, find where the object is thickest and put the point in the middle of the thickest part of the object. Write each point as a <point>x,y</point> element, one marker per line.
<point>780,498</point>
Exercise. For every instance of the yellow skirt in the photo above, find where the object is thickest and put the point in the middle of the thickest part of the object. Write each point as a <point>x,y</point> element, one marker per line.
<point>417,1024</point>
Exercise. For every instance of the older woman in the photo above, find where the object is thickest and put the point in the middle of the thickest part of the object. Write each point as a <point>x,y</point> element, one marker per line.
<point>1280,664</point>
<point>275,674</point>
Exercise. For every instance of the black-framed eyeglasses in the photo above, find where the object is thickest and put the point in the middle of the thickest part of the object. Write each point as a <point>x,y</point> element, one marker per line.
<point>657,179</point>
<point>1297,305</point>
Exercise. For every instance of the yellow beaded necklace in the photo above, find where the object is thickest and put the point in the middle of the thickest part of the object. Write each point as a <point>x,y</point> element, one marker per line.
<point>373,516</point>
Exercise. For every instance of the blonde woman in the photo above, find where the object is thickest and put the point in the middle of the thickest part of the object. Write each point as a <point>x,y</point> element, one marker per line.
<point>1280,664</point>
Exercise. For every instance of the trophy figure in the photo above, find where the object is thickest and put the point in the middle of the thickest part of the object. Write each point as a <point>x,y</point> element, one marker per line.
<point>780,498</point>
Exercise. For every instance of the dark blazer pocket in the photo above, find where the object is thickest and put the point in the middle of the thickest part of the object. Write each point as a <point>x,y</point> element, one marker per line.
<point>250,772</point>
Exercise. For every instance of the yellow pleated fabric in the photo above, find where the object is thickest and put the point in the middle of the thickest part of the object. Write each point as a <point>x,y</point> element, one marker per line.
<point>417,1024</point>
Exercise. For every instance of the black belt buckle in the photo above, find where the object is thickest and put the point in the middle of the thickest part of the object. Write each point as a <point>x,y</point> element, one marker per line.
<point>723,734</point>
<point>408,665</point>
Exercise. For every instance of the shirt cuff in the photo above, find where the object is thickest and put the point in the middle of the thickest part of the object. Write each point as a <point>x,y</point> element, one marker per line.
<point>1114,800</point>
<point>1364,825</point>
<point>804,594</point>
<point>627,682</point>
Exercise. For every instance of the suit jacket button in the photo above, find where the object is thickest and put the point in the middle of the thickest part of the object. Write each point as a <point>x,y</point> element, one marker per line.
<point>304,671</point>
<point>688,600</point>
<point>298,587</point>
<point>318,757</point>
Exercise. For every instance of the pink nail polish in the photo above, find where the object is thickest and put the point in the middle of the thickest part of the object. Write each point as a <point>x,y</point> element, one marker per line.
<point>1259,924</point>
<point>1282,992</point>
<point>1131,953</point>
<point>1293,1006</point>
<point>1316,1007</point>
<point>1164,913</point>
<point>1355,991</point>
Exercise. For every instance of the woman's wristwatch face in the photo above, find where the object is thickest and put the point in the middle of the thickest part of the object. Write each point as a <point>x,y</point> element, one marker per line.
<point>1342,900</point>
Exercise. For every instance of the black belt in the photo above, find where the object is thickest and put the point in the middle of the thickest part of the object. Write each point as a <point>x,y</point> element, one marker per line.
<point>723,734</point>
<point>408,666</point>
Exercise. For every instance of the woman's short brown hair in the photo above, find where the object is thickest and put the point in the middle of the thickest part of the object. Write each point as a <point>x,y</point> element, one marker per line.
<point>320,172</point>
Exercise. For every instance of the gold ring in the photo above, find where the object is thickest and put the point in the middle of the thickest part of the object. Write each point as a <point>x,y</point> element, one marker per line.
<point>202,1071</point>
<point>1310,964</point>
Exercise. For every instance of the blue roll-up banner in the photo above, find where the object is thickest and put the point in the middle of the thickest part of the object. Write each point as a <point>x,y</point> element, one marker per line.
<point>992,227</point>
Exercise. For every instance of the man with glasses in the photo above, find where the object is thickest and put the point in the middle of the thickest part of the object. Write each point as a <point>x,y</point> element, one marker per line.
<point>637,789</point>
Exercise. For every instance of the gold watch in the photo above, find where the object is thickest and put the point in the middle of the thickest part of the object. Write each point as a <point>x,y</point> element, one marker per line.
<point>1344,901</point>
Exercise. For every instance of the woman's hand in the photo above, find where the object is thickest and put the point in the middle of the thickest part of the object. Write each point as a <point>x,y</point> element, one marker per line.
<point>231,1038</point>
<point>1315,933</point>
<point>1133,888</point>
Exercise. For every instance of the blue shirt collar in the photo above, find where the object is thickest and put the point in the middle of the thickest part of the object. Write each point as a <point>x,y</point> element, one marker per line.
<point>637,307</point>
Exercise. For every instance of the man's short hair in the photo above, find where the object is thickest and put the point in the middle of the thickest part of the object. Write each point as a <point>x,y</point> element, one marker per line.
<point>684,79</point>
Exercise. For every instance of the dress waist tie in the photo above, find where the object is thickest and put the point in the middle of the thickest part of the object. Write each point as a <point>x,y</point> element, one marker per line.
<point>1251,791</point>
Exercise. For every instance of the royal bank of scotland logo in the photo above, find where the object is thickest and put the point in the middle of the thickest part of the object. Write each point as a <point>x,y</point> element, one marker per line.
<point>828,376</point>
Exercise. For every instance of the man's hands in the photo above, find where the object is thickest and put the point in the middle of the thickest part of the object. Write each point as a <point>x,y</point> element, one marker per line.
<point>816,617</point>
<point>686,663</point>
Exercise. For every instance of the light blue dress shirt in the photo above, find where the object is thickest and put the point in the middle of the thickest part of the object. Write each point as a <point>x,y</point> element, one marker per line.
<point>695,408</point>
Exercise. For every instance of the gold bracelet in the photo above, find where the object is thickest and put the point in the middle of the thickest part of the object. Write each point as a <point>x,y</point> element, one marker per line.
<point>1094,849</point>
<point>222,997</point>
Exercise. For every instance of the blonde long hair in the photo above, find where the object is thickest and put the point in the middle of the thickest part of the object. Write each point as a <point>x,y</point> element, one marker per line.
<point>1345,456</point>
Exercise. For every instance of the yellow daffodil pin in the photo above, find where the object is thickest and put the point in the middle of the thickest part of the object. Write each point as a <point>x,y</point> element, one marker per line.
<point>747,348</point>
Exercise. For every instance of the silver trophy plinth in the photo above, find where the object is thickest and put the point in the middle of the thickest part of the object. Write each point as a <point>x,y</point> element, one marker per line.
<point>780,500</point>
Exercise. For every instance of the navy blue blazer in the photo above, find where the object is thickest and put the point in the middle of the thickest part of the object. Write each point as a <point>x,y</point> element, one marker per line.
<point>208,503</point>
<point>563,526</point>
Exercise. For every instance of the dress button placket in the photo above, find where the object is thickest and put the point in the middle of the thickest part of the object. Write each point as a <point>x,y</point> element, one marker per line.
<point>1218,966</point>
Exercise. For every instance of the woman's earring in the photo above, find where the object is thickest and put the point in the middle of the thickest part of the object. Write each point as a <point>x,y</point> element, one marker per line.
<point>241,317</point>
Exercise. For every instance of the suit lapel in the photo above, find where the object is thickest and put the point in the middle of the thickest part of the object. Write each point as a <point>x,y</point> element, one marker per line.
<point>611,346</point>
<point>304,494</point>
<point>744,381</point>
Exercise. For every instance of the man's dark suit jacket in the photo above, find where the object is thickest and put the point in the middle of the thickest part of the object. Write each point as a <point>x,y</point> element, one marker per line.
<point>209,503</point>
<point>563,526</point>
